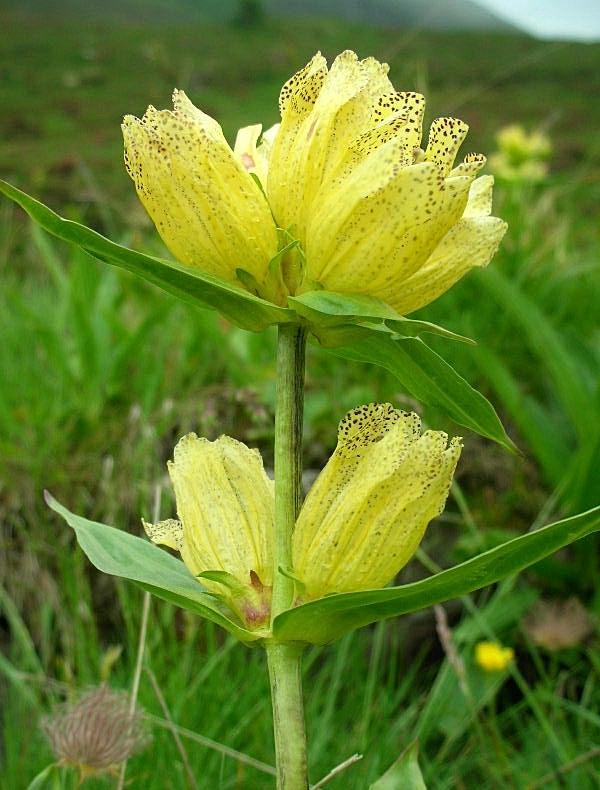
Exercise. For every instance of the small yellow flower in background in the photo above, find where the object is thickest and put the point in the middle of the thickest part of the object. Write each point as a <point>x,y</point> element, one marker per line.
<point>344,175</point>
<point>368,510</point>
<point>521,155</point>
<point>225,504</point>
<point>492,657</point>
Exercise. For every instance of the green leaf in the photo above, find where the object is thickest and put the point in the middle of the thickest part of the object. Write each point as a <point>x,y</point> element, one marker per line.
<point>191,285</point>
<point>327,309</point>
<point>118,553</point>
<point>329,618</point>
<point>410,327</point>
<point>431,380</point>
<point>404,774</point>
<point>50,772</point>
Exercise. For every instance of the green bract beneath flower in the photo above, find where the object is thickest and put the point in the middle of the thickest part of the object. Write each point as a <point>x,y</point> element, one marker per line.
<point>344,175</point>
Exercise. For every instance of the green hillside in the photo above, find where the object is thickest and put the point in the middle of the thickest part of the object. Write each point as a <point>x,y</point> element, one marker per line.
<point>66,86</point>
<point>435,15</point>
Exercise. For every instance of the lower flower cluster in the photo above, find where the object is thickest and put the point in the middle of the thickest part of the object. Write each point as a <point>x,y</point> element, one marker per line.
<point>361,522</point>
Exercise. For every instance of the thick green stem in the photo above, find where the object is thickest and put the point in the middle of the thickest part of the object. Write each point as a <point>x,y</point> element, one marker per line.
<point>291,346</point>
<point>285,674</point>
<point>285,659</point>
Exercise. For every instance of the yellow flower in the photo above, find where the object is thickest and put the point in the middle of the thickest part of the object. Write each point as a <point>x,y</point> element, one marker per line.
<point>205,204</point>
<point>514,141</point>
<point>520,155</point>
<point>368,510</point>
<point>225,503</point>
<point>492,657</point>
<point>344,175</point>
<point>374,213</point>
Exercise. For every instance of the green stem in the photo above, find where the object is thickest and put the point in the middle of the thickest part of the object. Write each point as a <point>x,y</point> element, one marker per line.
<point>285,674</point>
<point>288,455</point>
<point>285,660</point>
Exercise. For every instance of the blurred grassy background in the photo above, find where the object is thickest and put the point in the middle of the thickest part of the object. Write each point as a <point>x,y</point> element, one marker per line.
<point>101,374</point>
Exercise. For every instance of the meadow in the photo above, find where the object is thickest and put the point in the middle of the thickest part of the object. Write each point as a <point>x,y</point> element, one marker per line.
<point>101,374</point>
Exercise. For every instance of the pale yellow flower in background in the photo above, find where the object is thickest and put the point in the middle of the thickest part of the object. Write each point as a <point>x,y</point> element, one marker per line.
<point>369,508</point>
<point>225,504</point>
<point>521,155</point>
<point>492,657</point>
<point>344,175</point>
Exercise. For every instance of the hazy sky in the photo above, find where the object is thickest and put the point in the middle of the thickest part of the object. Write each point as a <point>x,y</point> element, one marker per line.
<point>552,18</point>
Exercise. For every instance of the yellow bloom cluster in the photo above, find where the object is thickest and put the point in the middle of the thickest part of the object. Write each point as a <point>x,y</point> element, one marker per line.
<point>344,175</point>
<point>361,522</point>
<point>492,657</point>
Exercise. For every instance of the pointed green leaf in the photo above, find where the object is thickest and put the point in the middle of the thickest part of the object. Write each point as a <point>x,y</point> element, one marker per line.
<point>226,579</point>
<point>326,309</point>
<point>410,327</point>
<point>191,285</point>
<point>330,618</point>
<point>118,553</point>
<point>329,308</point>
<point>404,774</point>
<point>431,380</point>
<point>50,772</point>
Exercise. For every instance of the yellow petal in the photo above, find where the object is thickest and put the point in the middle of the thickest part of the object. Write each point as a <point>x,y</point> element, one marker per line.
<point>253,155</point>
<point>299,93</point>
<point>407,104</point>
<point>206,206</point>
<point>363,235</point>
<point>445,138</point>
<point>225,503</point>
<point>166,533</point>
<point>480,197</point>
<point>322,113</point>
<point>471,242</point>
<point>470,166</point>
<point>245,145</point>
<point>367,512</point>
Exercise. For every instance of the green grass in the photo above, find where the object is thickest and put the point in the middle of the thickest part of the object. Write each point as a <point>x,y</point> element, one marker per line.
<point>101,374</point>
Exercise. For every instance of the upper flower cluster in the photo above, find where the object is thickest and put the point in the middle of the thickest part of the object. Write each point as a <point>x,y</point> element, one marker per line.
<point>344,175</point>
